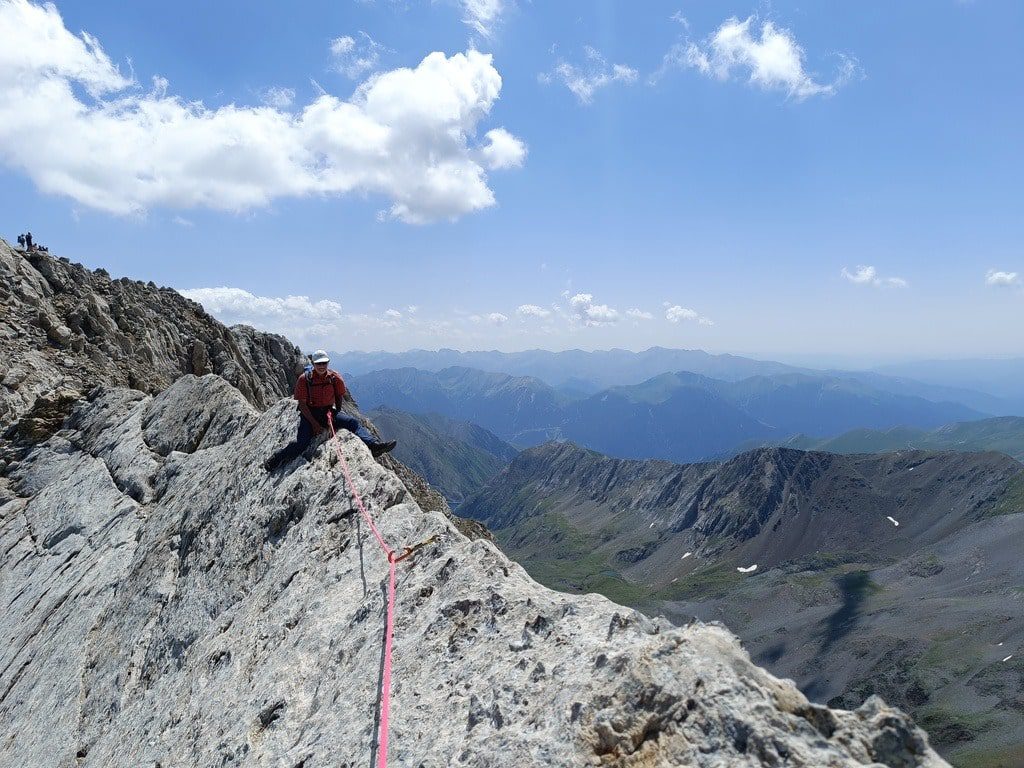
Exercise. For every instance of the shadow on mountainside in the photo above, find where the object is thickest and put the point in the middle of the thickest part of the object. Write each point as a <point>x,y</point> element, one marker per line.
<point>855,588</point>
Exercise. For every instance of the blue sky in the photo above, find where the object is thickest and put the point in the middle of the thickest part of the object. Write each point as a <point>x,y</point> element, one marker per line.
<point>835,182</point>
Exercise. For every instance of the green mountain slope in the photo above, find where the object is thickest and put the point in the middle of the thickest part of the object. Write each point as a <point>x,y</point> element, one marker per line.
<point>455,457</point>
<point>843,600</point>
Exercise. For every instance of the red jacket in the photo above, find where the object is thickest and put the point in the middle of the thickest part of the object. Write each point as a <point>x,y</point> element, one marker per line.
<point>326,389</point>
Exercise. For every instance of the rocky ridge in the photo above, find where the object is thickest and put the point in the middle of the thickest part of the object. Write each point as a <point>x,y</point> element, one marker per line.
<point>65,329</point>
<point>166,602</point>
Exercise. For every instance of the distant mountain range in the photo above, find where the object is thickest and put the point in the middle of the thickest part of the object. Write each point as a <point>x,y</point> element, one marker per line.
<point>678,416</point>
<point>455,457</point>
<point>574,369</point>
<point>1004,434</point>
<point>895,573</point>
<point>993,387</point>
<point>1003,378</point>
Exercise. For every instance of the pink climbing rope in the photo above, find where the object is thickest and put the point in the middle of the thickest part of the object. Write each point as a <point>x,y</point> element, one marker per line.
<point>385,691</point>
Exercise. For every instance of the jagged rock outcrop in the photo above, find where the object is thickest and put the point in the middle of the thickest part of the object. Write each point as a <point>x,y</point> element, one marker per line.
<point>167,602</point>
<point>65,329</point>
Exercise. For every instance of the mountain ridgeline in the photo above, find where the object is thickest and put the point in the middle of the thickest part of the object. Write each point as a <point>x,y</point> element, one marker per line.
<point>673,416</point>
<point>167,602</point>
<point>897,572</point>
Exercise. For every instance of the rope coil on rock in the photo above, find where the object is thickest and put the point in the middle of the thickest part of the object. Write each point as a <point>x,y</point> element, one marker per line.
<point>393,560</point>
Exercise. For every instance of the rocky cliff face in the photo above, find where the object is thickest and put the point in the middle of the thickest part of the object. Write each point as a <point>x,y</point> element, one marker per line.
<point>167,602</point>
<point>65,329</point>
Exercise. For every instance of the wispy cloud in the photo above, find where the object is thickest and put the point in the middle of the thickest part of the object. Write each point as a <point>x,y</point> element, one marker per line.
<point>585,79</point>
<point>868,276</point>
<point>78,127</point>
<point>639,314</point>
<point>357,56</point>
<point>1001,279</point>
<point>278,98</point>
<point>483,15</point>
<point>774,60</point>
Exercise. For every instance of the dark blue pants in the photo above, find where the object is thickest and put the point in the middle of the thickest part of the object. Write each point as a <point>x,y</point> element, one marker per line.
<point>305,434</point>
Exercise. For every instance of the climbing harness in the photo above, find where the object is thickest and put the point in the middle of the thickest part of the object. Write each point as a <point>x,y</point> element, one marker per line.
<point>393,560</point>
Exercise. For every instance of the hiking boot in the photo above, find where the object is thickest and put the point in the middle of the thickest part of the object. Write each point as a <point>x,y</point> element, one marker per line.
<point>376,449</point>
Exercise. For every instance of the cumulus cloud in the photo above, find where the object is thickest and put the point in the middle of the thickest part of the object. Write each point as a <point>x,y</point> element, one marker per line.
<point>502,150</point>
<point>1001,279</point>
<point>868,276</point>
<point>355,57</point>
<point>585,311</point>
<point>675,313</point>
<point>496,318</point>
<point>639,314</point>
<point>532,310</point>
<point>78,127</point>
<point>773,61</point>
<point>585,79</point>
<point>305,321</point>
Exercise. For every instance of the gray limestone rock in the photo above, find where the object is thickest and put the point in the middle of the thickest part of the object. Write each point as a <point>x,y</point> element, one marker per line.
<point>168,602</point>
<point>65,327</point>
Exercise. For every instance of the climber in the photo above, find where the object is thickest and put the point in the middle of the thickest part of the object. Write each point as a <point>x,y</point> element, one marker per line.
<point>21,242</point>
<point>28,241</point>
<point>321,391</point>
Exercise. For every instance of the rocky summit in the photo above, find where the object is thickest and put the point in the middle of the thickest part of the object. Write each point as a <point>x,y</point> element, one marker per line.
<point>167,602</point>
<point>65,329</point>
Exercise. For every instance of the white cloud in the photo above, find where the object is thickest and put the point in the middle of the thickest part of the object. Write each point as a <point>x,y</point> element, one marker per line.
<point>181,221</point>
<point>585,79</point>
<point>1001,279</point>
<point>496,318</point>
<point>868,275</point>
<point>304,321</point>
<point>639,314</point>
<point>482,15</point>
<point>532,310</point>
<point>298,317</point>
<point>503,150</point>
<point>585,311</point>
<point>773,62</point>
<point>675,313</point>
<point>353,57</point>
<point>278,98</point>
<point>407,134</point>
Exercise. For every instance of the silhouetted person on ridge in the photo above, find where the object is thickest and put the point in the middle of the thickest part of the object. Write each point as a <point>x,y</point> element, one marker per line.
<point>28,241</point>
<point>319,392</point>
<point>21,242</point>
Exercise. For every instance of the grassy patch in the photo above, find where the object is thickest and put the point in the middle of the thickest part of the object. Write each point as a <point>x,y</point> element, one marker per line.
<point>716,581</point>
<point>947,727</point>
<point>998,757</point>
<point>832,561</point>
<point>1012,499</point>
<point>559,556</point>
